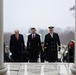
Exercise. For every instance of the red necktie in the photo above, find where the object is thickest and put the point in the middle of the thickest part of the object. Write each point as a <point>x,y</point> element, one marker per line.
<point>33,36</point>
<point>16,37</point>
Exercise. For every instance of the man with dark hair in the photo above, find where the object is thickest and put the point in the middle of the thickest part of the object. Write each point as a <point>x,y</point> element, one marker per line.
<point>52,41</point>
<point>16,46</point>
<point>33,45</point>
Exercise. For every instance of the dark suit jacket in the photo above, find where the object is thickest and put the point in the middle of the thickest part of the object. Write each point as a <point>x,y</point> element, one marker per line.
<point>16,46</point>
<point>51,46</point>
<point>34,45</point>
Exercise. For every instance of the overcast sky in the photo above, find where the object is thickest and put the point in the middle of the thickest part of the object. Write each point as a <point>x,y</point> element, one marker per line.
<point>23,14</point>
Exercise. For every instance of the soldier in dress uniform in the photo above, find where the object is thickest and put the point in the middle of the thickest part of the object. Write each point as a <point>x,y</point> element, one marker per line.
<point>52,43</point>
<point>33,45</point>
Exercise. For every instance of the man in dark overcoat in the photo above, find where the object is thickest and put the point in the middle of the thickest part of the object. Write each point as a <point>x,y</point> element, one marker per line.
<point>33,45</point>
<point>16,46</point>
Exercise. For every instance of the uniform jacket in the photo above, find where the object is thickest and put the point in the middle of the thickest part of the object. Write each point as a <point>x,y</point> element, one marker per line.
<point>51,44</point>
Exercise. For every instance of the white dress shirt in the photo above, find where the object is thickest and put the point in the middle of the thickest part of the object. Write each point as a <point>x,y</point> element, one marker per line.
<point>33,35</point>
<point>51,35</point>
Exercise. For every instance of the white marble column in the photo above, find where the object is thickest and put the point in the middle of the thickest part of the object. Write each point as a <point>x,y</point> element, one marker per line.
<point>2,66</point>
<point>73,68</point>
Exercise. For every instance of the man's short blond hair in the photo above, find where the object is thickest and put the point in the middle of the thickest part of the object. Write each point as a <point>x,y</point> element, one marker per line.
<point>16,31</point>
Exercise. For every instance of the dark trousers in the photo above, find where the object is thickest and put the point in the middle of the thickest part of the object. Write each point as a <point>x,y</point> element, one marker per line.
<point>33,59</point>
<point>24,57</point>
<point>42,56</point>
<point>16,57</point>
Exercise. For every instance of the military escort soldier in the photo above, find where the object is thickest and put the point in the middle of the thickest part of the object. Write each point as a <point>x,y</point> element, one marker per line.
<point>51,41</point>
